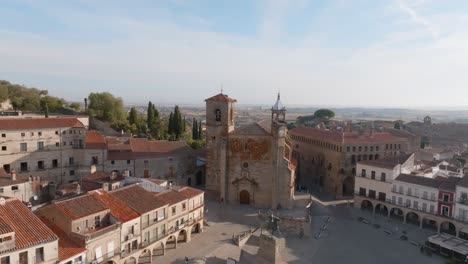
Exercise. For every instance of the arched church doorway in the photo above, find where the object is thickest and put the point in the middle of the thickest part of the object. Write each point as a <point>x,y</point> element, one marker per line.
<point>244,197</point>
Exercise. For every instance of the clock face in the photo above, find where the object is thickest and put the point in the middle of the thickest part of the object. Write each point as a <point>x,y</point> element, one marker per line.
<point>281,132</point>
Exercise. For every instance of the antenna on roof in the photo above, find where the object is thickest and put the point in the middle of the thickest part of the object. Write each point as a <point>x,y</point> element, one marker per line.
<point>221,88</point>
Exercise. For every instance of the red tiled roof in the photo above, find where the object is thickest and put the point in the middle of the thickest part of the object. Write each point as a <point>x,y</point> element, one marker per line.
<point>4,174</point>
<point>97,175</point>
<point>138,199</point>
<point>66,247</point>
<point>171,196</point>
<point>28,228</point>
<point>118,209</point>
<point>262,127</point>
<point>38,123</point>
<point>387,162</point>
<point>81,206</point>
<point>4,227</point>
<point>343,137</point>
<point>143,148</point>
<point>94,140</point>
<point>189,192</point>
<point>221,97</point>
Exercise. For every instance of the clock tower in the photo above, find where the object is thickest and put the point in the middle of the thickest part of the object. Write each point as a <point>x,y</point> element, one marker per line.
<point>278,131</point>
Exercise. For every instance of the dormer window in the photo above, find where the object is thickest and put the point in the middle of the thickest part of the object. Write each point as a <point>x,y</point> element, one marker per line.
<point>218,115</point>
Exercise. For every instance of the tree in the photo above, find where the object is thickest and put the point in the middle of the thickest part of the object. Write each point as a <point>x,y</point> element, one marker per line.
<point>200,131</point>
<point>397,125</point>
<point>324,114</point>
<point>177,123</point>
<point>75,106</point>
<point>105,107</point>
<point>194,129</point>
<point>170,126</point>
<point>133,116</point>
<point>150,115</point>
<point>46,111</point>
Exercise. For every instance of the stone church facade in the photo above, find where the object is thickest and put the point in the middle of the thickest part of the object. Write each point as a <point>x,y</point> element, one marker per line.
<point>250,164</point>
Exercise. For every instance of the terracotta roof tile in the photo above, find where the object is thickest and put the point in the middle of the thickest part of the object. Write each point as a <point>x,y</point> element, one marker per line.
<point>4,227</point>
<point>419,180</point>
<point>94,140</point>
<point>38,123</point>
<point>343,137</point>
<point>81,206</point>
<point>259,128</point>
<point>66,247</point>
<point>189,192</point>
<point>387,162</point>
<point>118,209</point>
<point>450,183</point>
<point>221,97</point>
<point>97,175</point>
<point>171,196</point>
<point>143,148</point>
<point>28,228</point>
<point>138,198</point>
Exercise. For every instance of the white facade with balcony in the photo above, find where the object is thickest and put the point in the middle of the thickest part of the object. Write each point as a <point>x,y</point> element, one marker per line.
<point>415,196</point>
<point>461,205</point>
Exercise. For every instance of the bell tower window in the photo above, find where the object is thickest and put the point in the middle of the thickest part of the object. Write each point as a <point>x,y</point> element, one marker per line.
<point>218,115</point>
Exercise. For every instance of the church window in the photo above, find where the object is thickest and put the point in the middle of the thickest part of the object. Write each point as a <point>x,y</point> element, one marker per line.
<point>218,115</point>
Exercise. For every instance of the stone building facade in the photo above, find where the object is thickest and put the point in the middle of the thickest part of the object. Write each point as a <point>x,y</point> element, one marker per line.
<point>250,164</point>
<point>326,159</point>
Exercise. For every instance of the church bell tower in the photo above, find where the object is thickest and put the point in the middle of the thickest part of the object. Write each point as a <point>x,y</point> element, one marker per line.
<point>219,122</point>
<point>278,131</point>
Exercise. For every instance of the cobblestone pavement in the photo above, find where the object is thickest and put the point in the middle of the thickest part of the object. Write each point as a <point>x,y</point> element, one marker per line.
<point>345,239</point>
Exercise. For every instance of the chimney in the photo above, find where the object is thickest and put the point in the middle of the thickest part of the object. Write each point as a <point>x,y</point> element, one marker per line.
<point>13,175</point>
<point>93,168</point>
<point>78,189</point>
<point>126,173</point>
<point>113,175</point>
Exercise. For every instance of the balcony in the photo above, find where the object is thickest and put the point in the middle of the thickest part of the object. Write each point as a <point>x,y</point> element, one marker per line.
<point>92,234</point>
<point>107,257</point>
<point>445,201</point>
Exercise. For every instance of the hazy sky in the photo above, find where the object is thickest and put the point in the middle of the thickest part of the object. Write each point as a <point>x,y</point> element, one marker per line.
<point>341,53</point>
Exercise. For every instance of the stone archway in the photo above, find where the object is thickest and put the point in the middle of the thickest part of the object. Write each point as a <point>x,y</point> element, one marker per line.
<point>366,205</point>
<point>158,250</point>
<point>381,209</point>
<point>412,218</point>
<point>348,186</point>
<point>196,228</point>
<point>244,197</point>
<point>448,227</point>
<point>131,260</point>
<point>171,242</point>
<point>182,236</point>
<point>145,257</point>
<point>397,213</point>
<point>429,224</point>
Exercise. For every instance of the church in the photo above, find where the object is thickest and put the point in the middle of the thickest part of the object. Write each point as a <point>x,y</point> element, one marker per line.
<point>250,164</point>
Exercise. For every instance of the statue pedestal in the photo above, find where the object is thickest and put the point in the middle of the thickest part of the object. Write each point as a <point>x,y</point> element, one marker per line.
<point>270,248</point>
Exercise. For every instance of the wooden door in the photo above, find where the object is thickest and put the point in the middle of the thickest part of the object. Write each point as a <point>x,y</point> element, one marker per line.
<point>244,197</point>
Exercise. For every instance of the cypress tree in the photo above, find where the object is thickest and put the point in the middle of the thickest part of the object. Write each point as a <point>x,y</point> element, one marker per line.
<point>170,125</point>
<point>133,116</point>
<point>150,116</point>
<point>194,130</point>
<point>46,111</point>
<point>177,122</point>
<point>200,131</point>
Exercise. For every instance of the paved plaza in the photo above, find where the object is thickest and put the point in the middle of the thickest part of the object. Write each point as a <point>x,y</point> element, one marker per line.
<point>344,240</point>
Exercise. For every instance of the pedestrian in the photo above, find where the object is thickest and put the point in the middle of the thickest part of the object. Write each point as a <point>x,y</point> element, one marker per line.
<point>186,260</point>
